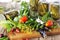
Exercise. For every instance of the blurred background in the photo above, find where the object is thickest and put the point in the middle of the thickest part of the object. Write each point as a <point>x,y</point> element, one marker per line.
<point>28,0</point>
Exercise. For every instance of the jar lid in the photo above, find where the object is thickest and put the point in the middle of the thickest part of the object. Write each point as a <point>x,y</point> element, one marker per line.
<point>43,1</point>
<point>55,3</point>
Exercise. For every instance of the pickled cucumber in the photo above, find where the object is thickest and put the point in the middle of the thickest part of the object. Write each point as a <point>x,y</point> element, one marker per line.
<point>34,5</point>
<point>43,8</point>
<point>54,9</point>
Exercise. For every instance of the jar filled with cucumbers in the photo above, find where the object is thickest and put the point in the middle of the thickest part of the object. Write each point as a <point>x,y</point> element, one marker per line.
<point>1,9</point>
<point>16,0</point>
<point>54,9</point>
<point>43,7</point>
<point>34,5</point>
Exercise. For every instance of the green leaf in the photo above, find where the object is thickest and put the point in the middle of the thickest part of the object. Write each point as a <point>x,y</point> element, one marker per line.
<point>41,26</point>
<point>24,10</point>
<point>4,38</point>
<point>24,4</point>
<point>7,24</point>
<point>16,19</point>
<point>45,17</point>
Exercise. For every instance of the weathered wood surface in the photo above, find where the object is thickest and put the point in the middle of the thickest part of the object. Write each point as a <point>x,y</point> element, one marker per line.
<point>56,37</point>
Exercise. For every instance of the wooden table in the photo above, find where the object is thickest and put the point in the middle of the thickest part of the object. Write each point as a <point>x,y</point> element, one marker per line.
<point>56,37</point>
<point>54,33</point>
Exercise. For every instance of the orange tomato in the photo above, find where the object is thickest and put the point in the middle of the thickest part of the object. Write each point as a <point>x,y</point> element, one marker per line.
<point>23,19</point>
<point>49,23</point>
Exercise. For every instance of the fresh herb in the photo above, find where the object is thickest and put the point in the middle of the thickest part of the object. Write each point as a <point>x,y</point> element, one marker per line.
<point>45,17</point>
<point>4,38</point>
<point>24,10</point>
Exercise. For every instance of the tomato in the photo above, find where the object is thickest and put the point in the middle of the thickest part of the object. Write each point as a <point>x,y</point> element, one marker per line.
<point>49,23</point>
<point>23,19</point>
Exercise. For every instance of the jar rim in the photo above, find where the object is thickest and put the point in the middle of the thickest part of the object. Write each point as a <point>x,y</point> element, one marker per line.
<point>55,3</point>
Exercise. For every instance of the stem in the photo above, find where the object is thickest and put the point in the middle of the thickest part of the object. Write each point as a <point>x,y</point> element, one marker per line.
<point>12,22</point>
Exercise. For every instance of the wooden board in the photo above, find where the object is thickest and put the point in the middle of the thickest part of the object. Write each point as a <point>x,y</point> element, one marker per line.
<point>32,35</point>
<point>54,32</point>
<point>18,36</point>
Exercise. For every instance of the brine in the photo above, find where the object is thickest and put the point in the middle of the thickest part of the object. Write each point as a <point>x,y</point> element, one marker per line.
<point>43,7</point>
<point>34,5</point>
<point>54,9</point>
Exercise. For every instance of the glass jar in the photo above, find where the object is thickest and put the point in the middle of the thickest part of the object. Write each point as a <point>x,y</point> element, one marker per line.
<point>1,9</point>
<point>16,0</point>
<point>34,5</point>
<point>54,9</point>
<point>43,7</point>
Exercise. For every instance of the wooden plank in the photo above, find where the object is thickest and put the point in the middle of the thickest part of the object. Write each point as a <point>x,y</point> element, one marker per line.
<point>56,37</point>
<point>55,31</point>
<point>13,36</point>
<point>34,34</point>
<point>34,39</point>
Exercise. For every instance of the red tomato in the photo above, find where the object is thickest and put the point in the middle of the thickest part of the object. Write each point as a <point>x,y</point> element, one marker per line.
<point>23,19</point>
<point>49,23</point>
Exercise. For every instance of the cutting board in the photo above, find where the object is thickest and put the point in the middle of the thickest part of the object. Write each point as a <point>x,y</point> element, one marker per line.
<point>32,35</point>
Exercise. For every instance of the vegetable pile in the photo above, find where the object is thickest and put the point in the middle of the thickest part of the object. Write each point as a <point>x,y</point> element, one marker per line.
<point>28,21</point>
